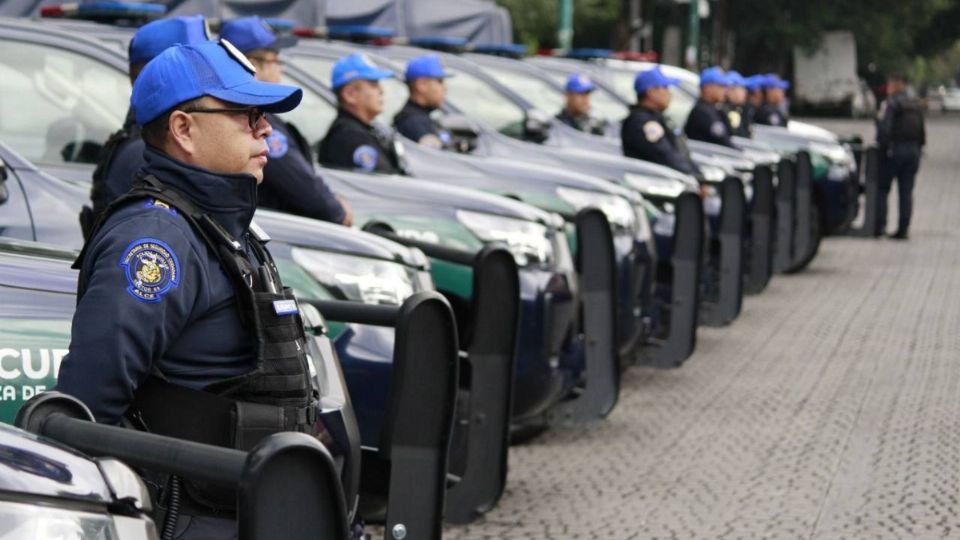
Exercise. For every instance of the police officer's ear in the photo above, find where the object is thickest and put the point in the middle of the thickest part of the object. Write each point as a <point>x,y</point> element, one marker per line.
<point>181,132</point>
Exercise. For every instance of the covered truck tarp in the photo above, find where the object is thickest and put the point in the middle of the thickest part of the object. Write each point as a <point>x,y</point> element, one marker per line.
<point>306,12</point>
<point>479,21</point>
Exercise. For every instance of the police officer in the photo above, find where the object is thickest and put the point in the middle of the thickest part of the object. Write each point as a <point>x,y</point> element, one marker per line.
<point>122,154</point>
<point>425,79</point>
<point>290,183</point>
<point>755,99</point>
<point>737,108</point>
<point>901,135</point>
<point>182,325</point>
<point>773,110</point>
<point>707,121</point>
<point>576,111</point>
<point>646,134</point>
<point>353,142</point>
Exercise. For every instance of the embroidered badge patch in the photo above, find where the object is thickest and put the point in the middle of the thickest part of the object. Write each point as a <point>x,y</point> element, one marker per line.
<point>151,269</point>
<point>365,157</point>
<point>774,119</point>
<point>277,145</point>
<point>735,119</point>
<point>653,131</point>
<point>718,129</point>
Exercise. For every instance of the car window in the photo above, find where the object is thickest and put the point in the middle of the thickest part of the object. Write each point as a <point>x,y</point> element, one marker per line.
<point>313,116</point>
<point>478,99</point>
<point>58,106</point>
<point>680,104</point>
<point>394,91</point>
<point>538,92</point>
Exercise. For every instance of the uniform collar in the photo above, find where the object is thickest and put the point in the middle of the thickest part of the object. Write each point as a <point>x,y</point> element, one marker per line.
<point>416,106</point>
<point>343,114</point>
<point>229,198</point>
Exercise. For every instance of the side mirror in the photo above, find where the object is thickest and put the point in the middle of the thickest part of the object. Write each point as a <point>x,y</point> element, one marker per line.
<point>463,131</point>
<point>4,194</point>
<point>536,125</point>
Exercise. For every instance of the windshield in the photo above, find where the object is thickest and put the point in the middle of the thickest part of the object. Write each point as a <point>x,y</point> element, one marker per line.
<point>313,116</point>
<point>537,92</point>
<point>603,103</point>
<point>478,99</point>
<point>682,101</point>
<point>394,90</point>
<point>58,106</point>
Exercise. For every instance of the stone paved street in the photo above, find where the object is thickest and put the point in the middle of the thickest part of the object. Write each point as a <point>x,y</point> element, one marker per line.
<point>828,410</point>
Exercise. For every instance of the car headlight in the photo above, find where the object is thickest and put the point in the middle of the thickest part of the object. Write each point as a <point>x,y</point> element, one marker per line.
<point>360,279</point>
<point>654,186</point>
<point>527,241</point>
<point>712,173</point>
<point>833,152</point>
<point>22,520</point>
<point>618,210</point>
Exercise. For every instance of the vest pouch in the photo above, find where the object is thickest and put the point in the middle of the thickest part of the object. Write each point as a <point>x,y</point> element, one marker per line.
<point>252,422</point>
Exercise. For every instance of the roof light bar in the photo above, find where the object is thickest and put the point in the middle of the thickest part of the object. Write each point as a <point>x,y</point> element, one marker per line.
<point>510,50</point>
<point>105,11</point>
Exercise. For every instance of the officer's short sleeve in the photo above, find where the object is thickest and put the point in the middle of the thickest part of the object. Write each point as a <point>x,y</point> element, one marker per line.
<point>291,181</point>
<point>414,126</point>
<point>145,281</point>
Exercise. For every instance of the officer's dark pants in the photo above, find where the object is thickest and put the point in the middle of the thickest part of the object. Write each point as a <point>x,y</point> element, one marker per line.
<point>205,528</point>
<point>901,162</point>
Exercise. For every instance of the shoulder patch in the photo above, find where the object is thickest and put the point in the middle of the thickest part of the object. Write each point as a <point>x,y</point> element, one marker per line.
<point>445,137</point>
<point>653,131</point>
<point>157,203</point>
<point>277,145</point>
<point>151,269</point>
<point>365,157</point>
<point>717,129</point>
<point>774,119</point>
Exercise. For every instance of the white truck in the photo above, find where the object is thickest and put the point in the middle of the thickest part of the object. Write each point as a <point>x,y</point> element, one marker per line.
<point>825,78</point>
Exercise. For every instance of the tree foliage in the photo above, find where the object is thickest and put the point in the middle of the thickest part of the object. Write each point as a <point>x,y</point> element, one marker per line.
<point>891,34</point>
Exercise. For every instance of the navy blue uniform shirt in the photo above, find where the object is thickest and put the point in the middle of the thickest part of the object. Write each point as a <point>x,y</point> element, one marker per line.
<point>156,296</point>
<point>900,120</point>
<point>352,144</point>
<point>414,123</point>
<point>707,123</point>
<point>290,183</point>
<point>770,115</point>
<point>647,135</point>
<point>582,122</point>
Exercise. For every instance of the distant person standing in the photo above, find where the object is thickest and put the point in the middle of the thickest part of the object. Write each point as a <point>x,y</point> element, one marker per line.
<point>901,135</point>
<point>576,111</point>
<point>773,112</point>
<point>737,108</point>
<point>707,121</point>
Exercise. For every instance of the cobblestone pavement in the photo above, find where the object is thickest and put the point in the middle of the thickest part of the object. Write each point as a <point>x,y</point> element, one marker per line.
<point>829,409</point>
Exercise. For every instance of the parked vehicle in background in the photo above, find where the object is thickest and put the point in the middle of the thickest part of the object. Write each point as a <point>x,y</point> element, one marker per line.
<point>825,77</point>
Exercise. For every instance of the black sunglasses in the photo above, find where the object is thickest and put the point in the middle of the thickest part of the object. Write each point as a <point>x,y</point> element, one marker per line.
<point>254,114</point>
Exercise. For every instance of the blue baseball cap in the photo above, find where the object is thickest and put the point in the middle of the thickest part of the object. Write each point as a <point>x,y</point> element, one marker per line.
<point>652,78</point>
<point>155,37</point>
<point>249,33</point>
<point>734,78</point>
<point>772,80</point>
<point>427,66</point>
<point>216,69</point>
<point>755,82</point>
<point>714,75</point>
<point>578,83</point>
<point>354,67</point>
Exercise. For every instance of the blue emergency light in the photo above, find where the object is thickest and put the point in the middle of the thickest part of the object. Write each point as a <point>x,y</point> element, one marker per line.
<point>440,43</point>
<point>105,11</point>
<point>510,50</point>
<point>587,54</point>
<point>359,33</point>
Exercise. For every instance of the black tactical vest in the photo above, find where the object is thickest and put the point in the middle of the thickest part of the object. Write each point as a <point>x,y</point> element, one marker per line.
<point>278,395</point>
<point>907,122</point>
